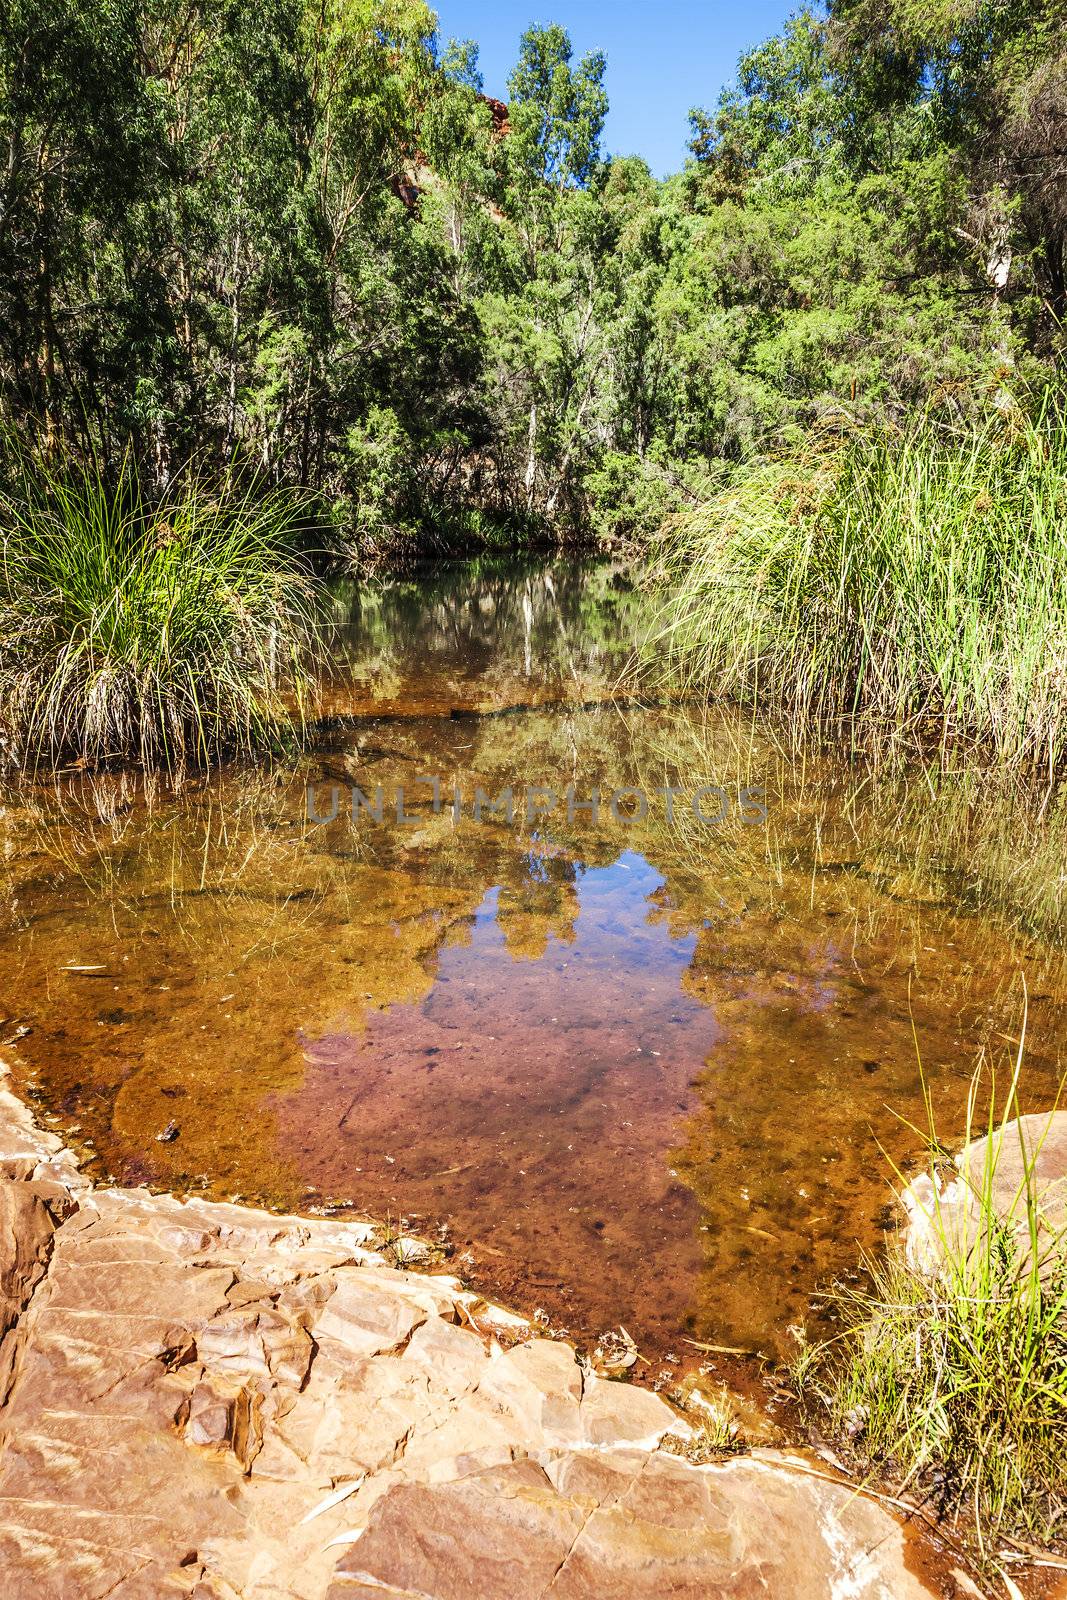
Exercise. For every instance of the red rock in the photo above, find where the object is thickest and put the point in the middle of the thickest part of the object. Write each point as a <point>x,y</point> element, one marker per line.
<point>183,1385</point>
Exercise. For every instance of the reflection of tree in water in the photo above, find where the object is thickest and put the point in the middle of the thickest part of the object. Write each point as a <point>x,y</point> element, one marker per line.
<point>489,622</point>
<point>542,903</point>
<point>235,941</point>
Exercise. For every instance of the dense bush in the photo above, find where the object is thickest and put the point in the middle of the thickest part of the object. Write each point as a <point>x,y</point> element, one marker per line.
<point>299,233</point>
<point>950,1372</point>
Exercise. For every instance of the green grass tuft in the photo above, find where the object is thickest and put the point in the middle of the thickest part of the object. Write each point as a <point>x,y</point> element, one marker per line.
<point>950,1375</point>
<point>169,630</point>
<point>908,584</point>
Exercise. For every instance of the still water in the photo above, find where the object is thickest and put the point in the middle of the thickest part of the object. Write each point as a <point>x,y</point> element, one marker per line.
<point>638,1070</point>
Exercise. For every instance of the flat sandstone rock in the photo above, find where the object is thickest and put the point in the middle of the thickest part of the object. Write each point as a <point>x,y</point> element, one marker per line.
<point>205,1401</point>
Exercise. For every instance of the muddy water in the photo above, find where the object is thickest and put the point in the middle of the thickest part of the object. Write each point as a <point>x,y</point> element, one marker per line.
<point>635,1070</point>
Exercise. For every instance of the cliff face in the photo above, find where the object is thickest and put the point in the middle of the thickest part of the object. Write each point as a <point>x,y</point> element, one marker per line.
<point>409,185</point>
<point>501,124</point>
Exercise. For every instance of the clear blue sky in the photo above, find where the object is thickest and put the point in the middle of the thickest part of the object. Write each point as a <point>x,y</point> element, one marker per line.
<point>664,56</point>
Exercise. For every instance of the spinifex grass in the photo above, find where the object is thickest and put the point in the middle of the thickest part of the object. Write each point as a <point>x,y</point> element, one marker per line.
<point>951,1375</point>
<point>910,584</point>
<point>167,630</point>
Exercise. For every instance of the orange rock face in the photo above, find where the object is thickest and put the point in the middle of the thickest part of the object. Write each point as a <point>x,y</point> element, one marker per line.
<point>501,124</point>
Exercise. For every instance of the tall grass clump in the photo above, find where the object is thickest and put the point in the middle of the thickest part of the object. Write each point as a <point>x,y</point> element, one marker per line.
<point>909,583</point>
<point>951,1373</point>
<point>169,630</point>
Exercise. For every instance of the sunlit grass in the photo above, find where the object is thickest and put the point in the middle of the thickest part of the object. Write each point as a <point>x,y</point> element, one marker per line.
<point>169,630</point>
<point>950,1377</point>
<point>909,585</point>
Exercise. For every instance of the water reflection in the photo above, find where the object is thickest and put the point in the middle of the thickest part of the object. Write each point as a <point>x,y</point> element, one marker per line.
<point>545,1073</point>
<point>482,634</point>
<point>642,1069</point>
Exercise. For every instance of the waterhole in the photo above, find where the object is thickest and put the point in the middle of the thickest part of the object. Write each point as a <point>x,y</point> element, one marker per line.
<point>643,1065</point>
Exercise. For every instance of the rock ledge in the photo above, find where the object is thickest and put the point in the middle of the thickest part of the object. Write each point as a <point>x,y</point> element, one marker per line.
<point>206,1401</point>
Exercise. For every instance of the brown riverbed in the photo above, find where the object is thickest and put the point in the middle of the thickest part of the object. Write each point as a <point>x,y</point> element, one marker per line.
<point>635,1070</point>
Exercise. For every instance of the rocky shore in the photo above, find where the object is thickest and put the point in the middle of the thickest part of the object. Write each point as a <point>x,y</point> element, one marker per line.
<point>206,1401</point>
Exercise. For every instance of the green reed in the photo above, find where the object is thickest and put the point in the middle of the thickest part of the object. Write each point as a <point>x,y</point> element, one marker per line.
<point>950,1375</point>
<point>169,630</point>
<point>909,584</point>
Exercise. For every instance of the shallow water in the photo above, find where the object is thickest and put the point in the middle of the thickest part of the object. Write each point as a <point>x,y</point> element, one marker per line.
<point>637,1070</point>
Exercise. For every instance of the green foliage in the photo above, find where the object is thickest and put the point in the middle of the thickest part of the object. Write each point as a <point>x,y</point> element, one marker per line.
<point>952,1375</point>
<point>173,630</point>
<point>557,111</point>
<point>991,78</point>
<point>631,498</point>
<point>229,230</point>
<point>909,583</point>
<point>371,519</point>
<point>837,264</point>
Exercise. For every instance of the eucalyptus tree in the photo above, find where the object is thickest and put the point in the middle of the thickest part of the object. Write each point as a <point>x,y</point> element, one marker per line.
<point>299,235</point>
<point>831,267</point>
<point>80,143</point>
<point>542,311</point>
<point>993,75</point>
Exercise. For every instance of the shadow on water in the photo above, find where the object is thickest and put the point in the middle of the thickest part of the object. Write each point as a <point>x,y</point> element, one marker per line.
<point>639,1067</point>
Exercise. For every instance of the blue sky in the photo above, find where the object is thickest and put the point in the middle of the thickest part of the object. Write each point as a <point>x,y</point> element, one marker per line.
<point>664,56</point>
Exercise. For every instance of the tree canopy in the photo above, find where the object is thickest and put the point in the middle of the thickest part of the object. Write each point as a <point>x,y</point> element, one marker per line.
<point>299,236</point>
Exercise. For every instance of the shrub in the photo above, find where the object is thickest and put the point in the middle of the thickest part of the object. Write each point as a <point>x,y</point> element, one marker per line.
<point>951,1371</point>
<point>168,630</point>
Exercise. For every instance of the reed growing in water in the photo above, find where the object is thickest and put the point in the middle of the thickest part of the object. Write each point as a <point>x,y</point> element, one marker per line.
<point>169,630</point>
<point>909,584</point>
